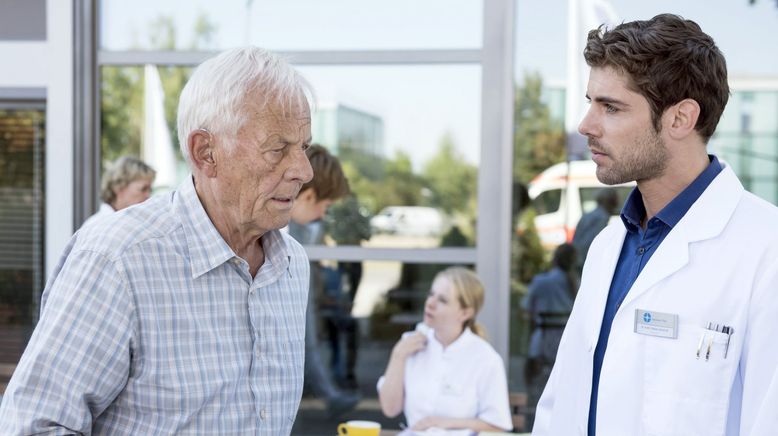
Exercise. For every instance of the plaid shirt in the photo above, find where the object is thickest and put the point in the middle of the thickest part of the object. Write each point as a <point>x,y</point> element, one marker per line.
<point>151,324</point>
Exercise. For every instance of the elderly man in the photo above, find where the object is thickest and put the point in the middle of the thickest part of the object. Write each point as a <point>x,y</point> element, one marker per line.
<point>186,314</point>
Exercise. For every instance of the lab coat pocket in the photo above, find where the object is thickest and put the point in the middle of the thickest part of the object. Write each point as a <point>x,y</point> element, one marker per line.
<point>687,383</point>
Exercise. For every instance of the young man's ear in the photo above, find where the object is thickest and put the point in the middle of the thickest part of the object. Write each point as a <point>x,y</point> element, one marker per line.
<point>681,118</point>
<point>308,194</point>
<point>201,152</point>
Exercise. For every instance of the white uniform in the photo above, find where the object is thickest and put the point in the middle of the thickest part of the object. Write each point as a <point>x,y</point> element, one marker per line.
<point>104,210</point>
<point>718,265</point>
<point>464,380</point>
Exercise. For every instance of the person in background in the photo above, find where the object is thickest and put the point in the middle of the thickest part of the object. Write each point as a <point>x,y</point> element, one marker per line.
<point>445,375</point>
<point>347,224</point>
<point>673,328</point>
<point>126,181</point>
<point>549,302</point>
<point>327,186</point>
<point>185,314</point>
<point>592,223</point>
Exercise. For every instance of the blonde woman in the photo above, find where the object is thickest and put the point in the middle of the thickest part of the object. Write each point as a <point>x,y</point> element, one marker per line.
<point>446,375</point>
<point>126,182</point>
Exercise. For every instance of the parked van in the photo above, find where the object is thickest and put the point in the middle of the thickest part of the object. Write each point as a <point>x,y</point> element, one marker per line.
<point>561,197</point>
<point>409,221</point>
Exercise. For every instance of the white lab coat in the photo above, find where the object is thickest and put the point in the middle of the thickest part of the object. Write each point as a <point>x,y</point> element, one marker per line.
<point>719,264</point>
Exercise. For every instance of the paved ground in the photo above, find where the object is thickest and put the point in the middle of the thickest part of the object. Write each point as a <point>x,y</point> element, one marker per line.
<point>312,419</point>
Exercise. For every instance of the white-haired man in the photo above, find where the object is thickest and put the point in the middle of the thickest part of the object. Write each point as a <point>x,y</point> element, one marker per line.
<point>186,314</point>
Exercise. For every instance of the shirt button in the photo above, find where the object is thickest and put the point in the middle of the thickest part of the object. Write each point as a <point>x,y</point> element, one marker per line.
<point>263,414</point>
<point>641,250</point>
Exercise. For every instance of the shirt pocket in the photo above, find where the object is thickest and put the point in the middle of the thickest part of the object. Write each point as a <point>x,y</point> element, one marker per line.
<point>687,383</point>
<point>457,399</point>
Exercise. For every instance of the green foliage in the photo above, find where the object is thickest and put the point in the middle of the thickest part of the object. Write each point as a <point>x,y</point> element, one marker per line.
<point>539,141</point>
<point>528,256</point>
<point>397,184</point>
<point>121,117</point>
<point>348,223</point>
<point>121,121</point>
<point>452,181</point>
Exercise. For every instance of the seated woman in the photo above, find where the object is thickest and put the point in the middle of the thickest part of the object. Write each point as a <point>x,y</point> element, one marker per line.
<point>445,375</point>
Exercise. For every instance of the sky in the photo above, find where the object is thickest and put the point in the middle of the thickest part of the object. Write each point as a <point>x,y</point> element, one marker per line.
<point>421,103</point>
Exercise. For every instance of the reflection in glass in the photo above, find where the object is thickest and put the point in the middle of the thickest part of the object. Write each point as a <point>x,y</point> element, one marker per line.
<point>290,25</point>
<point>747,138</point>
<point>138,109</point>
<point>388,301</point>
<point>22,145</point>
<point>409,147</point>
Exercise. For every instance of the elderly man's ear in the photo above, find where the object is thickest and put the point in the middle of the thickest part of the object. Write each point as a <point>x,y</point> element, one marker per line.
<point>201,151</point>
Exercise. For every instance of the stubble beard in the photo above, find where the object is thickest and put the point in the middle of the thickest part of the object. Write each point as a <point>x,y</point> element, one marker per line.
<point>646,159</point>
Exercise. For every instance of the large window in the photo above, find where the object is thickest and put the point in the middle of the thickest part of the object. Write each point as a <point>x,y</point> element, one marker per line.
<point>413,97</point>
<point>22,145</point>
<point>408,146</point>
<point>291,25</point>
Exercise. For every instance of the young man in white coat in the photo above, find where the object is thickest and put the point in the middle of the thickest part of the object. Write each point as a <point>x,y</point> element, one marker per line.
<point>673,329</point>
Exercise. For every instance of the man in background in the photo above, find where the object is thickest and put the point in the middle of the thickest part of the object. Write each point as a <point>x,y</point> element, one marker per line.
<point>592,223</point>
<point>327,186</point>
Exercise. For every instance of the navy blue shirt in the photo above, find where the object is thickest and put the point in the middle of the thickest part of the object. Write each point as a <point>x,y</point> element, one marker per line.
<point>639,245</point>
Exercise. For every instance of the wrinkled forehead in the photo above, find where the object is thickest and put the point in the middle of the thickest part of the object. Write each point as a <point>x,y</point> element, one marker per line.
<point>285,110</point>
<point>291,103</point>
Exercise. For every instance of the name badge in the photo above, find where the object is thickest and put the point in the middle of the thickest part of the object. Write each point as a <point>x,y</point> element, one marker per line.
<point>663,325</point>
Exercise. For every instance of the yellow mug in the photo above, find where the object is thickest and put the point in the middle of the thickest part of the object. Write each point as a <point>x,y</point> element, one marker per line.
<point>359,428</point>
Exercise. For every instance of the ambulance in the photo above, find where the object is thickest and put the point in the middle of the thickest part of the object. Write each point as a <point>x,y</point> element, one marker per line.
<point>561,194</point>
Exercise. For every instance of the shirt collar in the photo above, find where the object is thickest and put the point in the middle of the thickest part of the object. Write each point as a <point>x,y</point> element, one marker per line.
<point>634,210</point>
<point>207,248</point>
<point>459,343</point>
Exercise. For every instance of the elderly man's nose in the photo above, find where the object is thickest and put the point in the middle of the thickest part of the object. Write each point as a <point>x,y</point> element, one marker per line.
<point>301,168</point>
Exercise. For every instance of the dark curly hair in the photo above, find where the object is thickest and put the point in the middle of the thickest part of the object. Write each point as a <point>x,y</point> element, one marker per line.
<point>667,59</point>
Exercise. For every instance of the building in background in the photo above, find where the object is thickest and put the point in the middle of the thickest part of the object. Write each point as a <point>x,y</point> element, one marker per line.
<point>341,126</point>
<point>747,135</point>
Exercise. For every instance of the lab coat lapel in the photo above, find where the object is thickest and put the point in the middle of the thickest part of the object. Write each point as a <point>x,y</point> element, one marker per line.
<point>604,264</point>
<point>705,219</point>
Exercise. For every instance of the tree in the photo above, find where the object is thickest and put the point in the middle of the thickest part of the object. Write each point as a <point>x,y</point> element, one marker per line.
<point>451,179</point>
<point>121,115</point>
<point>539,141</point>
<point>121,112</point>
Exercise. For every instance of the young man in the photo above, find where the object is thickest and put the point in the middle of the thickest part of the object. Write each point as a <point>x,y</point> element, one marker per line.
<point>672,332</point>
<point>328,185</point>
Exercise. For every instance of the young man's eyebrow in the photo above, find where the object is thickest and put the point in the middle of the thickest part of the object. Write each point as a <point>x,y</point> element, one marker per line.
<point>608,100</point>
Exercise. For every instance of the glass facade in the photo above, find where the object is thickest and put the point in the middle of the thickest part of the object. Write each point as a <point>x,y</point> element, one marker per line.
<point>409,145</point>
<point>290,25</point>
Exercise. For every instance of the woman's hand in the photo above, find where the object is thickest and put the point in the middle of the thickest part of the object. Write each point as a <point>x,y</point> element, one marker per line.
<point>409,345</point>
<point>430,422</point>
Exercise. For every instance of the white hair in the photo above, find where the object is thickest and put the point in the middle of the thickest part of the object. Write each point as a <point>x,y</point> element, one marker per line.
<point>214,97</point>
